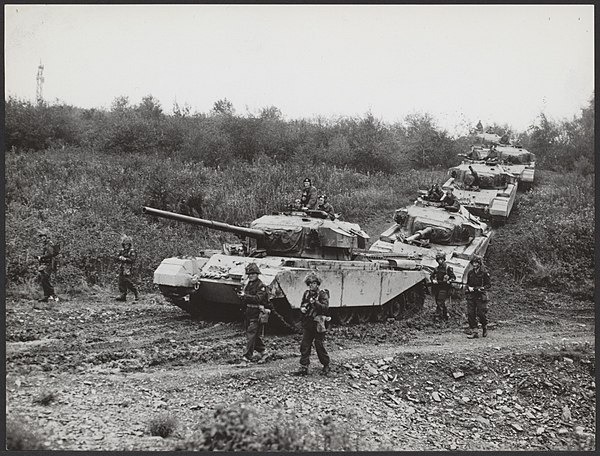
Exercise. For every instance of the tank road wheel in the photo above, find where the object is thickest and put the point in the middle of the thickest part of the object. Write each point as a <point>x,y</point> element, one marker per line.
<point>413,300</point>
<point>379,313</point>
<point>363,314</point>
<point>344,315</point>
<point>395,307</point>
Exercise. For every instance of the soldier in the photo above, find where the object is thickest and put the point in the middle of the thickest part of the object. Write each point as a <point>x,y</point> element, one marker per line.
<point>127,257</point>
<point>325,206</point>
<point>440,280</point>
<point>449,202</point>
<point>255,298</point>
<point>478,282</point>
<point>308,200</point>
<point>315,304</point>
<point>435,193</point>
<point>47,265</point>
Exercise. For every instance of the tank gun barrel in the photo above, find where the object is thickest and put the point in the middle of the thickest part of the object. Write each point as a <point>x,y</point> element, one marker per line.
<point>220,226</point>
<point>425,232</point>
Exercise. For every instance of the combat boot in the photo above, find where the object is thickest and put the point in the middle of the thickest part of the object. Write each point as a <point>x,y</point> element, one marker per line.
<point>136,296</point>
<point>326,370</point>
<point>121,298</point>
<point>302,371</point>
<point>44,299</point>
<point>484,332</point>
<point>474,335</point>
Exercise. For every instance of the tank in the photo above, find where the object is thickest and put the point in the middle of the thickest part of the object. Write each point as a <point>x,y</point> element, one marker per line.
<point>492,197</point>
<point>425,228</point>
<point>286,246</point>
<point>514,158</point>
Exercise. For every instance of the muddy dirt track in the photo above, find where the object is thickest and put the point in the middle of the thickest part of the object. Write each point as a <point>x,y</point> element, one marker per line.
<point>400,385</point>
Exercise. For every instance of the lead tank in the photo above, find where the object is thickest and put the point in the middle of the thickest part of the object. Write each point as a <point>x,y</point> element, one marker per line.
<point>286,246</point>
<point>425,228</point>
<point>489,193</point>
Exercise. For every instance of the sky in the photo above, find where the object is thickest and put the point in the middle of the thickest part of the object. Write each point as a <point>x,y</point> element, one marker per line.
<point>501,64</point>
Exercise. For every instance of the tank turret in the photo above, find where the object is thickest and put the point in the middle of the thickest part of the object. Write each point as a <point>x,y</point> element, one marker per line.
<point>425,228</point>
<point>304,234</point>
<point>286,247</point>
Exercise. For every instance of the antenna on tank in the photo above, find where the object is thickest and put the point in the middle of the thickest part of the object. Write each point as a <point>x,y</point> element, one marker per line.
<point>40,81</point>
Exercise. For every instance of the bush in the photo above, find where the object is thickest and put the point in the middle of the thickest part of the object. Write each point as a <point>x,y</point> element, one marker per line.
<point>235,429</point>
<point>162,425</point>
<point>20,437</point>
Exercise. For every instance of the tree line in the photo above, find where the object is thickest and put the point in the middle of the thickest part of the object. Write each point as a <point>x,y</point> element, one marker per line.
<point>363,143</point>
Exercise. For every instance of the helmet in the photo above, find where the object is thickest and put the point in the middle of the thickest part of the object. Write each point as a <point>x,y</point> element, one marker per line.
<point>476,259</point>
<point>312,277</point>
<point>308,180</point>
<point>439,255</point>
<point>126,240</point>
<point>324,196</point>
<point>43,232</point>
<point>252,268</point>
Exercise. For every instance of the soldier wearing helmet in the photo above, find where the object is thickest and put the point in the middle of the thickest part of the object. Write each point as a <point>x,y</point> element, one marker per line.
<point>441,277</point>
<point>47,265</point>
<point>308,200</point>
<point>126,258</point>
<point>325,206</point>
<point>255,299</point>
<point>478,282</point>
<point>449,201</point>
<point>314,305</point>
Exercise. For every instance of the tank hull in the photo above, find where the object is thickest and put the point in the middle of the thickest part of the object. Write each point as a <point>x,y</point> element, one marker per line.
<point>194,284</point>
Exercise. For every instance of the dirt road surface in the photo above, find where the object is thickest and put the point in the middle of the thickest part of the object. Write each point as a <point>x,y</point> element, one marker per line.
<point>108,368</point>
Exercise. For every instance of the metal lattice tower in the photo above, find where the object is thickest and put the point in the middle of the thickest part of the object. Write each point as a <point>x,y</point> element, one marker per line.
<point>40,81</point>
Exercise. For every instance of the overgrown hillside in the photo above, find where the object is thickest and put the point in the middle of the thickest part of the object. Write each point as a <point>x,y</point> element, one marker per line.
<point>89,199</point>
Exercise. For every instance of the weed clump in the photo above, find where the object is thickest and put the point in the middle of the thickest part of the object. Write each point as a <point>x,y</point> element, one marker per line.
<point>162,425</point>
<point>19,437</point>
<point>235,429</point>
<point>45,398</point>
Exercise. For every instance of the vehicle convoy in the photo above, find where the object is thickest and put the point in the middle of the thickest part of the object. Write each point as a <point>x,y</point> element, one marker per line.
<point>514,158</point>
<point>286,246</point>
<point>422,230</point>
<point>488,193</point>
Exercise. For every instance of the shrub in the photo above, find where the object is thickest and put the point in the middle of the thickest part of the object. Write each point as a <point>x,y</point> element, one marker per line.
<point>19,437</point>
<point>162,425</point>
<point>234,428</point>
<point>45,398</point>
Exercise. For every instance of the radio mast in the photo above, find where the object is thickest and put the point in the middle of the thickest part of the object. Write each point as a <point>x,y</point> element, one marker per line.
<point>40,81</point>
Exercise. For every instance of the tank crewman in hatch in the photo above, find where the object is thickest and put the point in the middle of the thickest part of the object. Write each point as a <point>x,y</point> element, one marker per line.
<point>314,307</point>
<point>478,282</point>
<point>325,206</point>
<point>255,299</point>
<point>441,277</point>
<point>449,201</point>
<point>434,193</point>
<point>47,265</point>
<point>308,200</point>
<point>126,258</point>
<point>472,180</point>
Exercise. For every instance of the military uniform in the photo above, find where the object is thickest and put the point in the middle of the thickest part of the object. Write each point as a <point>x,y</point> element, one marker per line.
<point>315,303</point>
<point>126,258</point>
<point>309,197</point>
<point>450,203</point>
<point>443,274</point>
<point>326,207</point>
<point>254,295</point>
<point>47,265</point>
<point>477,300</point>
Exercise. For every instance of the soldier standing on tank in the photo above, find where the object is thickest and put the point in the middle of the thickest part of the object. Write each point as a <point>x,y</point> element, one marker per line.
<point>255,299</point>
<point>315,303</point>
<point>325,206</point>
<point>478,282</point>
<point>308,200</point>
<point>47,265</point>
<point>441,277</point>
<point>126,258</point>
